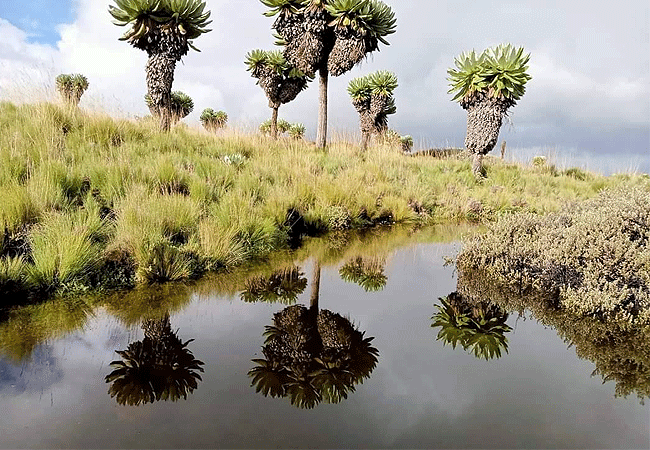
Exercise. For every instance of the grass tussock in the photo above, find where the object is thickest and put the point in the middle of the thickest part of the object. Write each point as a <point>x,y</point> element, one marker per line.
<point>591,259</point>
<point>86,199</point>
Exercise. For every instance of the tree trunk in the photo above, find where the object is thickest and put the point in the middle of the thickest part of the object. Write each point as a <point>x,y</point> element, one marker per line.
<point>160,77</point>
<point>321,138</point>
<point>365,139</point>
<point>477,165</point>
<point>315,287</point>
<point>274,122</point>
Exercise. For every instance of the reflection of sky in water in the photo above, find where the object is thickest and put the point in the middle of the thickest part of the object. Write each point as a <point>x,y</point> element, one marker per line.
<point>421,394</point>
<point>35,374</point>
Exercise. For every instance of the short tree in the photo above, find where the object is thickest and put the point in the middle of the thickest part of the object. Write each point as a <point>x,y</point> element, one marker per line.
<point>372,96</point>
<point>181,106</point>
<point>71,87</point>
<point>281,82</point>
<point>486,86</point>
<point>213,120</point>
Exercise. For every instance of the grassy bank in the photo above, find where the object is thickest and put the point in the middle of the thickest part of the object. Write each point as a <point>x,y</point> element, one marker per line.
<point>87,201</point>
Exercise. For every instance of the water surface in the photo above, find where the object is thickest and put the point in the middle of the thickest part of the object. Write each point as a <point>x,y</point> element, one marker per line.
<point>421,394</point>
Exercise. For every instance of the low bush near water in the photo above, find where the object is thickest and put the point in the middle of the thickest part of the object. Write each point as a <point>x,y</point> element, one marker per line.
<point>592,258</point>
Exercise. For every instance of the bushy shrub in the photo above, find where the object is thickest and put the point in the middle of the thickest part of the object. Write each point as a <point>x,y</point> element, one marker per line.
<point>592,258</point>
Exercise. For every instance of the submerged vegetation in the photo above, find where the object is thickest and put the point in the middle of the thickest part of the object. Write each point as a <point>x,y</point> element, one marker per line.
<point>92,202</point>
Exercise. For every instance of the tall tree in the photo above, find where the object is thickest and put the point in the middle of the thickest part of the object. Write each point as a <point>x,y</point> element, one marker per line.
<point>372,97</point>
<point>329,37</point>
<point>486,86</point>
<point>312,355</point>
<point>165,30</point>
<point>160,367</point>
<point>281,82</point>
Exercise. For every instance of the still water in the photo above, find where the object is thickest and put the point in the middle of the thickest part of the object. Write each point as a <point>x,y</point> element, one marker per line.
<point>404,388</point>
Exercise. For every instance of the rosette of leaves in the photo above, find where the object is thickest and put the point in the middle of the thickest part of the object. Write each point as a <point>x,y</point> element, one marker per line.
<point>281,82</point>
<point>283,127</point>
<point>372,97</point>
<point>479,328</point>
<point>297,131</point>
<point>282,286</point>
<point>329,36</point>
<point>366,272</point>
<point>181,106</point>
<point>165,29</point>
<point>312,356</point>
<point>487,85</point>
<point>407,143</point>
<point>213,120</point>
<point>160,367</point>
<point>71,87</point>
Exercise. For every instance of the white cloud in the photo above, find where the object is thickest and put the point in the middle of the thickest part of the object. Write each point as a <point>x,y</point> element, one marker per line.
<point>589,64</point>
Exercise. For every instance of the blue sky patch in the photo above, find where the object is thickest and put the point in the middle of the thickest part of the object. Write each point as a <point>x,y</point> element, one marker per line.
<point>38,18</point>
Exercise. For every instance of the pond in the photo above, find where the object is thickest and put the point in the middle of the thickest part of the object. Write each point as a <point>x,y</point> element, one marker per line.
<point>190,353</point>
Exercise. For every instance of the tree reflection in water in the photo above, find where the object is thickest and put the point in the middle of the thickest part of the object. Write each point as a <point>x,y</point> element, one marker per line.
<point>283,286</point>
<point>366,272</point>
<point>479,327</point>
<point>619,350</point>
<point>312,355</point>
<point>160,367</point>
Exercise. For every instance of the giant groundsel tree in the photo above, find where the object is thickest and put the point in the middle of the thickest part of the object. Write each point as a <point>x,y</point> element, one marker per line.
<point>165,30</point>
<point>487,85</point>
<point>181,105</point>
<point>372,97</point>
<point>329,37</point>
<point>281,82</point>
<point>71,87</point>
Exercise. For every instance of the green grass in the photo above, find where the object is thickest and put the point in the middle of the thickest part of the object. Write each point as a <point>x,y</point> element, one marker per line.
<point>86,198</point>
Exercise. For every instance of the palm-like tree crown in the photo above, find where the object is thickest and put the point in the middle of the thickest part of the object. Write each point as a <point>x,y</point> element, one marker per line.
<point>501,72</point>
<point>147,19</point>
<point>181,104</point>
<point>72,86</point>
<point>212,119</point>
<point>479,328</point>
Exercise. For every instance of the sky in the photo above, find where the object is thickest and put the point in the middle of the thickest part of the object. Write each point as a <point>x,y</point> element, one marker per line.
<point>588,103</point>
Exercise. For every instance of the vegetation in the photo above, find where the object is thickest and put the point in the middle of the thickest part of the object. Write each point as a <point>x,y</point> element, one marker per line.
<point>281,82</point>
<point>87,201</point>
<point>181,106</point>
<point>372,97</point>
<point>486,86</point>
<point>71,87</point>
<point>213,120</point>
<point>294,130</point>
<point>160,367</point>
<point>329,37</point>
<point>165,30</point>
<point>479,328</point>
<point>592,259</point>
<point>620,350</point>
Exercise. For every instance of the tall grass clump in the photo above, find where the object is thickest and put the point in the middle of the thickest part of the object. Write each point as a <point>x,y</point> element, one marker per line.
<point>66,248</point>
<point>592,258</point>
<point>172,205</point>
